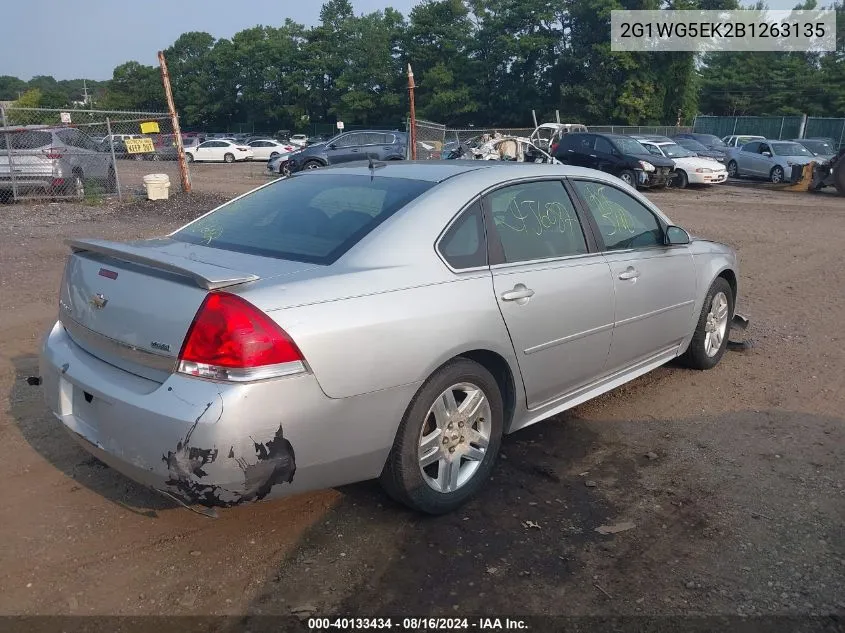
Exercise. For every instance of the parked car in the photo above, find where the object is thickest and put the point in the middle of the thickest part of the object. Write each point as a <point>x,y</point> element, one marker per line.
<point>317,138</point>
<point>689,168</point>
<point>741,139</point>
<point>280,164</point>
<point>266,149</point>
<point>699,149</point>
<point>710,141</point>
<point>822,148</point>
<point>472,301</point>
<point>772,160</point>
<point>299,139</point>
<point>52,160</point>
<point>619,155</point>
<point>218,150</point>
<point>346,147</point>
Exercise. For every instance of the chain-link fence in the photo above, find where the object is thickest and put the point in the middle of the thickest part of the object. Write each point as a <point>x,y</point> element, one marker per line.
<point>83,154</point>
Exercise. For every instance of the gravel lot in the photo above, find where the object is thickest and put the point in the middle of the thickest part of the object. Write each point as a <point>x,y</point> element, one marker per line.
<point>733,479</point>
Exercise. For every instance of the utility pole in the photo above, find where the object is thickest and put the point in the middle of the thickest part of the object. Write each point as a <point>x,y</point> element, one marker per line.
<point>85,92</point>
<point>413,134</point>
<point>174,118</point>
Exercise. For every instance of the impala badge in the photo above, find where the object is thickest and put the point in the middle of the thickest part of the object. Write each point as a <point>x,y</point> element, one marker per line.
<point>98,301</point>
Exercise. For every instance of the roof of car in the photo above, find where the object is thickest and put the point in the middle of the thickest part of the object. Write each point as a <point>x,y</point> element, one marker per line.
<point>441,170</point>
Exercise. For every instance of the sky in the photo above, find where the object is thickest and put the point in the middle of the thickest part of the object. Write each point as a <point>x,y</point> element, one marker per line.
<point>72,39</point>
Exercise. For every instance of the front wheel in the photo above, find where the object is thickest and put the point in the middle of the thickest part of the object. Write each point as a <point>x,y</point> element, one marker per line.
<point>776,174</point>
<point>679,180</point>
<point>447,442</point>
<point>710,338</point>
<point>733,169</point>
<point>312,164</point>
<point>628,177</point>
<point>229,158</point>
<point>189,157</point>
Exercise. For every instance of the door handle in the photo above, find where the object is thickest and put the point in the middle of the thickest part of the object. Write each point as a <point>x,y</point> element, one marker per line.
<point>519,292</point>
<point>630,274</point>
<point>354,151</point>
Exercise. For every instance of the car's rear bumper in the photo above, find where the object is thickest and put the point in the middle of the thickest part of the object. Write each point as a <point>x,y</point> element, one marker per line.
<point>218,444</point>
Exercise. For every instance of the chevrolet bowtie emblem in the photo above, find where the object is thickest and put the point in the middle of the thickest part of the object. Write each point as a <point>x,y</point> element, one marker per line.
<point>98,301</point>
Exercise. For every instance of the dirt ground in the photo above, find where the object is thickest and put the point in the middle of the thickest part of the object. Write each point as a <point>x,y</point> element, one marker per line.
<point>733,479</point>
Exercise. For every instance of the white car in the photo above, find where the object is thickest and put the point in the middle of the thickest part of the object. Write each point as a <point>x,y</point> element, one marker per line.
<point>265,149</point>
<point>300,140</point>
<point>217,151</point>
<point>689,168</point>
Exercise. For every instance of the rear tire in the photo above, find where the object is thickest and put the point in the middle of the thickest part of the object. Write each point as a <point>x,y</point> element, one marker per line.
<point>733,169</point>
<point>440,444</point>
<point>702,352</point>
<point>75,189</point>
<point>111,181</point>
<point>229,158</point>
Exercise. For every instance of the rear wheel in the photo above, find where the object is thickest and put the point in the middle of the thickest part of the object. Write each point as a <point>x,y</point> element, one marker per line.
<point>111,181</point>
<point>733,169</point>
<point>628,177</point>
<point>447,442</point>
<point>776,175</point>
<point>229,158</point>
<point>710,338</point>
<point>75,187</point>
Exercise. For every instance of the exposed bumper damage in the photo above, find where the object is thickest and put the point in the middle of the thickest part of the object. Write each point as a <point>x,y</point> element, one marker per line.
<point>273,462</point>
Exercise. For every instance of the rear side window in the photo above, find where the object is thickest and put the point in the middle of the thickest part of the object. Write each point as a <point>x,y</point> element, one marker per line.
<point>28,139</point>
<point>309,218</point>
<point>463,245</point>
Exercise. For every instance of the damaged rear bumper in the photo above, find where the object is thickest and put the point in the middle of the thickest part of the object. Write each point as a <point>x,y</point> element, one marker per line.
<point>217,444</point>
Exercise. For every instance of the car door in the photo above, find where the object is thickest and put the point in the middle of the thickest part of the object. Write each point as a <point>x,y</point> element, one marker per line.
<point>654,284</point>
<point>204,151</point>
<point>763,164</point>
<point>575,149</point>
<point>746,159</point>
<point>553,289</point>
<point>345,148</point>
<point>604,156</point>
<point>260,150</point>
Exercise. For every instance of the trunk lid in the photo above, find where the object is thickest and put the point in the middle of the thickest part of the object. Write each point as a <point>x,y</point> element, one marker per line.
<point>131,304</point>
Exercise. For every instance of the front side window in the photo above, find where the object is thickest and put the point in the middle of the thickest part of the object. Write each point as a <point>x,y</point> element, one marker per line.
<point>622,220</point>
<point>309,218</point>
<point>603,145</point>
<point>535,220</point>
<point>751,147</point>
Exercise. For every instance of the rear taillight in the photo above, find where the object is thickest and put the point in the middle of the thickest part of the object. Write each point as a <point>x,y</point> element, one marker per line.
<point>52,153</point>
<point>230,339</point>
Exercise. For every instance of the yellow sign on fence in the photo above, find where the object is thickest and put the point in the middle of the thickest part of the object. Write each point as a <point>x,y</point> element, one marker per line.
<point>150,127</point>
<point>139,146</point>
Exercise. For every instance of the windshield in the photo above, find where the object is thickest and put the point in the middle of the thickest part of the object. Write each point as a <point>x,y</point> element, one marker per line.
<point>711,140</point>
<point>691,143</point>
<point>790,149</point>
<point>308,218</point>
<point>630,145</point>
<point>819,147</point>
<point>672,150</point>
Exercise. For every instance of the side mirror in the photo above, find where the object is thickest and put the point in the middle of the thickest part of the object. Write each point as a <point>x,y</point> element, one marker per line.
<point>769,154</point>
<point>676,236</point>
<point>332,146</point>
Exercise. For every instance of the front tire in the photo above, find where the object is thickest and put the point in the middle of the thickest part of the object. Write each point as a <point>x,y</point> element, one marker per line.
<point>229,158</point>
<point>628,177</point>
<point>447,441</point>
<point>189,157</point>
<point>777,175</point>
<point>680,180</point>
<point>710,338</point>
<point>312,164</point>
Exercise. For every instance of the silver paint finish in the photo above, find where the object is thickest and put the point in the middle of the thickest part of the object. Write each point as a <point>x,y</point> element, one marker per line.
<point>372,327</point>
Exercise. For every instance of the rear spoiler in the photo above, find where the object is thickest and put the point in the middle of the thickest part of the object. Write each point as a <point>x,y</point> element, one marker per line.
<point>208,276</point>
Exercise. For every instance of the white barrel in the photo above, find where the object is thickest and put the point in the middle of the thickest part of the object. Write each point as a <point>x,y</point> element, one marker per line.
<point>157,186</point>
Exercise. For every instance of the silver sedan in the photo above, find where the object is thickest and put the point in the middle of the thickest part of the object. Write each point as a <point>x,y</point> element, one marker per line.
<point>390,321</point>
<point>772,160</point>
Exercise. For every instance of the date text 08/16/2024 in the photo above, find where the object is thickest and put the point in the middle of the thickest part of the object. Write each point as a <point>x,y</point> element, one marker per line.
<point>417,624</point>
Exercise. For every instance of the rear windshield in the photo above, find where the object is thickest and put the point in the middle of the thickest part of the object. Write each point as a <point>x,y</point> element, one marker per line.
<point>28,139</point>
<point>309,218</point>
<point>710,139</point>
